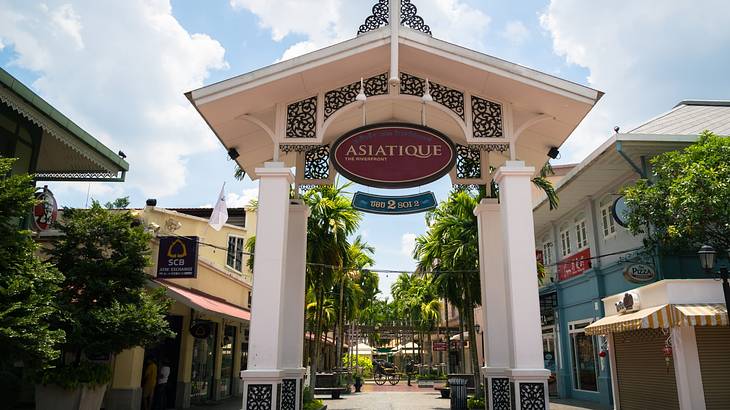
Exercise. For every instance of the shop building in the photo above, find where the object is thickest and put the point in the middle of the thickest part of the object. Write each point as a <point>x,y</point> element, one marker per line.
<point>210,314</point>
<point>589,255</point>
<point>47,143</point>
<point>667,346</point>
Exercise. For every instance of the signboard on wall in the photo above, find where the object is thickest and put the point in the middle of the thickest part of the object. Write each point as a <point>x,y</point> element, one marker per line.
<point>177,257</point>
<point>45,211</point>
<point>393,155</point>
<point>394,205</point>
<point>440,346</point>
<point>574,264</point>
<point>639,272</point>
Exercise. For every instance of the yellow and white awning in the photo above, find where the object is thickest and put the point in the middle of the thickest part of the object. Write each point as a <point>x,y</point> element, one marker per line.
<point>650,318</point>
<point>664,316</point>
<point>701,315</point>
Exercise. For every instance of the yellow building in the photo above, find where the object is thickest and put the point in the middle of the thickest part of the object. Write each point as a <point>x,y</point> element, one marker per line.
<point>214,305</point>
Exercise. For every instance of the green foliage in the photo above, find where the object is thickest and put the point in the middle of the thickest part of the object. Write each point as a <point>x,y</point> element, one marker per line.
<point>119,203</point>
<point>362,362</point>
<point>315,404</point>
<point>543,183</point>
<point>27,285</point>
<point>105,306</point>
<point>687,203</point>
<point>475,402</point>
<point>73,375</point>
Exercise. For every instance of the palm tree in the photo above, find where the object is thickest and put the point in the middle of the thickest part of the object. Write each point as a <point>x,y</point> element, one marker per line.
<point>331,222</point>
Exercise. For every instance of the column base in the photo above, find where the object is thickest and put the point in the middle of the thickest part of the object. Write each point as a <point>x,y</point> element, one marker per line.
<point>123,399</point>
<point>261,389</point>
<point>516,389</point>
<point>291,389</point>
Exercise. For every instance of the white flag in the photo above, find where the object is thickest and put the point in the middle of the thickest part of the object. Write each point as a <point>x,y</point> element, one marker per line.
<point>219,216</point>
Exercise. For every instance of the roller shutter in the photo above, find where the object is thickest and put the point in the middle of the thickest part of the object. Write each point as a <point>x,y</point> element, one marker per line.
<point>713,345</point>
<point>644,381</point>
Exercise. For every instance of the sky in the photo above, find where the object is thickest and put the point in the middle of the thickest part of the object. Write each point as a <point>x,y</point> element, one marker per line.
<point>119,69</point>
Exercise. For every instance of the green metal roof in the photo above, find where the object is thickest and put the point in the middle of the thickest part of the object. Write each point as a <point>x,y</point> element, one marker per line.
<point>47,109</point>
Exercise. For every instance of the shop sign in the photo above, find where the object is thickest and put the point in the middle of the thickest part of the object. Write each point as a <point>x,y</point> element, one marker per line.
<point>574,265</point>
<point>393,155</point>
<point>639,272</point>
<point>177,257</point>
<point>45,211</point>
<point>620,211</point>
<point>394,205</point>
<point>456,344</point>
<point>629,303</point>
<point>440,346</point>
<point>200,330</point>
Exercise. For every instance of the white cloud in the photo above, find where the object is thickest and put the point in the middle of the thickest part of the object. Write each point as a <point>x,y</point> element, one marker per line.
<point>121,76</point>
<point>515,32</point>
<point>407,243</point>
<point>325,22</point>
<point>235,200</point>
<point>646,58</point>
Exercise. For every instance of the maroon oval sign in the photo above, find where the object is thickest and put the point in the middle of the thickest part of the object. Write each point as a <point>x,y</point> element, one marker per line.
<point>393,155</point>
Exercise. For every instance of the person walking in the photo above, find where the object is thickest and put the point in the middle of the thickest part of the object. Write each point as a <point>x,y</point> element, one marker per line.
<point>149,381</point>
<point>161,388</point>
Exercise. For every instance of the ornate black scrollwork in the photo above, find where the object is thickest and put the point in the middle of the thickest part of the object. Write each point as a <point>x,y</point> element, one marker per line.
<point>448,97</point>
<point>409,17</point>
<point>340,97</point>
<point>501,394</point>
<point>486,118</point>
<point>532,396</point>
<point>379,18</point>
<point>259,397</point>
<point>499,147</point>
<point>468,163</point>
<point>289,394</point>
<point>317,163</point>
<point>301,119</point>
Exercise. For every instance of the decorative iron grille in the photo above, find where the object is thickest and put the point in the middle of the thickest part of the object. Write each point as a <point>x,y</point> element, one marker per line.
<point>259,397</point>
<point>340,97</point>
<point>486,118</point>
<point>317,163</point>
<point>379,18</point>
<point>468,163</point>
<point>532,396</point>
<point>301,119</point>
<point>448,97</point>
<point>409,17</point>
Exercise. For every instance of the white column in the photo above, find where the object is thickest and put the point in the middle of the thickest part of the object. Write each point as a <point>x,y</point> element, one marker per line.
<point>528,371</point>
<point>494,299</point>
<point>687,368</point>
<point>263,377</point>
<point>292,343</point>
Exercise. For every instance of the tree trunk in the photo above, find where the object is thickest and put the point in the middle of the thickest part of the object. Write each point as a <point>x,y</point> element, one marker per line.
<point>448,338</point>
<point>462,363</point>
<point>317,337</point>
<point>340,309</point>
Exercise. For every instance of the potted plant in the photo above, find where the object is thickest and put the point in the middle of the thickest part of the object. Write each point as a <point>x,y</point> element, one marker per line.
<point>104,307</point>
<point>358,383</point>
<point>445,391</point>
<point>475,403</point>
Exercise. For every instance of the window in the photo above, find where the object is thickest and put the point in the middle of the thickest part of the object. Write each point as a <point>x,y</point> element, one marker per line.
<point>584,357</point>
<point>249,298</point>
<point>565,242</point>
<point>580,234</point>
<point>607,222</point>
<point>547,253</point>
<point>234,259</point>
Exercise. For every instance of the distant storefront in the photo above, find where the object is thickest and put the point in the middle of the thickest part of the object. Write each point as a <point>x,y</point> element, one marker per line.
<point>667,345</point>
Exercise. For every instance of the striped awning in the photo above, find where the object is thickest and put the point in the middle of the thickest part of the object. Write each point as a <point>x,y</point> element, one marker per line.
<point>650,318</point>
<point>701,315</point>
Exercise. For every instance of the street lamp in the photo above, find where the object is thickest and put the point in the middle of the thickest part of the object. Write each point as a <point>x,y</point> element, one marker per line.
<point>707,256</point>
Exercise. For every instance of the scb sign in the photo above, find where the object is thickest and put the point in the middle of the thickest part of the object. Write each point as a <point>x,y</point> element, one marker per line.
<point>178,257</point>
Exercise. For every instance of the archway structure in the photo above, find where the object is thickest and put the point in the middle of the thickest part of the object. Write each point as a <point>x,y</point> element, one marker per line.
<point>496,113</point>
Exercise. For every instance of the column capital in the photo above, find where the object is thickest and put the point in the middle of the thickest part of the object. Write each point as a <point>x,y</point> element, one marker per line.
<point>487,205</point>
<point>513,168</point>
<point>275,169</point>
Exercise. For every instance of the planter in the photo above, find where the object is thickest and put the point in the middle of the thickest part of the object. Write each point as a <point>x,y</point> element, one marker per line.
<point>358,385</point>
<point>52,397</point>
<point>425,384</point>
<point>445,393</point>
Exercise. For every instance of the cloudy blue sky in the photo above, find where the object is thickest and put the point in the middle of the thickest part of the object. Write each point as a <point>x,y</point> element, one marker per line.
<point>120,68</point>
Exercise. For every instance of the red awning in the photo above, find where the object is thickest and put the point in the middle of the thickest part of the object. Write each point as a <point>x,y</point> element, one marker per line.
<point>203,302</point>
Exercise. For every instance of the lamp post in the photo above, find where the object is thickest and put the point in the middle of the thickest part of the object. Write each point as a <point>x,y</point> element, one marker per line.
<point>707,256</point>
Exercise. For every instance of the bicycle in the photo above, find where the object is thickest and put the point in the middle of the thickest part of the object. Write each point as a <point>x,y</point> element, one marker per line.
<point>386,374</point>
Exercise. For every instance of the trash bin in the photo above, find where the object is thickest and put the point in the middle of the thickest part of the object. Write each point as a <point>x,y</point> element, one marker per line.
<point>458,393</point>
